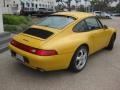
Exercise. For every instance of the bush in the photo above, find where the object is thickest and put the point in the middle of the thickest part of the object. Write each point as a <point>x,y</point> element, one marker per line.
<point>15,28</point>
<point>15,20</point>
<point>16,24</point>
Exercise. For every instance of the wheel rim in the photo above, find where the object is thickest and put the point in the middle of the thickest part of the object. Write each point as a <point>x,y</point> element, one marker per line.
<point>81,59</point>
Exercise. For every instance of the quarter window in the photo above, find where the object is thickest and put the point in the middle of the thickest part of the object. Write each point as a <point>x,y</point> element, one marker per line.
<point>81,27</point>
<point>92,23</point>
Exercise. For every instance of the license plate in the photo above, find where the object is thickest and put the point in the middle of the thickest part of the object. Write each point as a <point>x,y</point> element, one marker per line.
<point>19,57</point>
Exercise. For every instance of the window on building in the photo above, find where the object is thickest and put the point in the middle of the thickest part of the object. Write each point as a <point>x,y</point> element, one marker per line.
<point>7,5</point>
<point>14,2</point>
<point>22,4</point>
<point>36,6</point>
<point>28,5</point>
<point>17,5</point>
<point>32,4</point>
<point>43,5</point>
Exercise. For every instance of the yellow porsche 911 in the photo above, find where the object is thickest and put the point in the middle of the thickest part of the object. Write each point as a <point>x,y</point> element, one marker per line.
<point>62,40</point>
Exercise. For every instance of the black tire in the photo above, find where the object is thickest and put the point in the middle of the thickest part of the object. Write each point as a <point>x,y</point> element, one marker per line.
<point>111,43</point>
<point>74,67</point>
<point>107,17</point>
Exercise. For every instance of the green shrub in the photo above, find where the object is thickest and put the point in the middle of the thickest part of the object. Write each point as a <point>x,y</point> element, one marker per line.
<point>15,20</point>
<point>24,27</point>
<point>15,28</point>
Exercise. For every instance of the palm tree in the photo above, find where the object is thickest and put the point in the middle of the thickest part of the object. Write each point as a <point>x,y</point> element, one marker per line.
<point>86,5</point>
<point>77,1</point>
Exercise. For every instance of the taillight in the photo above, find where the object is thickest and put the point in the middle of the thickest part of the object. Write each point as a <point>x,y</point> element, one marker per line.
<point>46,52</point>
<point>29,49</point>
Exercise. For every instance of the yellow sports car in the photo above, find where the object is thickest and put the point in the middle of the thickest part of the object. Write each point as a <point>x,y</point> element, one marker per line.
<point>62,40</point>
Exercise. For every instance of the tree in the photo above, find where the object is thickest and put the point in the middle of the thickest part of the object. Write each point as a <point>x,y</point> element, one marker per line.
<point>81,8</point>
<point>59,7</point>
<point>99,5</point>
<point>118,8</point>
<point>68,2</point>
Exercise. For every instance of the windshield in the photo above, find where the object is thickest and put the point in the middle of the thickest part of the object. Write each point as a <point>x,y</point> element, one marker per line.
<point>57,22</point>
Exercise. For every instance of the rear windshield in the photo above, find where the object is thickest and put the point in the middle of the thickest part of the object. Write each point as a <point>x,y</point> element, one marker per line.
<point>38,33</point>
<point>57,22</point>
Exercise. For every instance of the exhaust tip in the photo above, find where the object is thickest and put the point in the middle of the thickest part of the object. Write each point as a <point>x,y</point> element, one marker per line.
<point>39,69</point>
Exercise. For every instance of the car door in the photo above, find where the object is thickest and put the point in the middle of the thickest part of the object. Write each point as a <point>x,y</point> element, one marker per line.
<point>97,33</point>
<point>84,35</point>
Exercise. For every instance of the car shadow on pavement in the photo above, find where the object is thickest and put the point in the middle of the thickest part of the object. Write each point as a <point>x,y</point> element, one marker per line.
<point>37,73</point>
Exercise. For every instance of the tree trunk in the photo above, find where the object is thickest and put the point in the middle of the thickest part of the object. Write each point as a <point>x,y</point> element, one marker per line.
<point>69,5</point>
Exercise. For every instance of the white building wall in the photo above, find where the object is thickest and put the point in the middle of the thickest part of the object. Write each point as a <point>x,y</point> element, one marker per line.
<point>81,2</point>
<point>6,7</point>
<point>1,19</point>
<point>11,5</point>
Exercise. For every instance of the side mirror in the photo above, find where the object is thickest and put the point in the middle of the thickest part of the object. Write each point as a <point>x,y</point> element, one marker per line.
<point>105,26</point>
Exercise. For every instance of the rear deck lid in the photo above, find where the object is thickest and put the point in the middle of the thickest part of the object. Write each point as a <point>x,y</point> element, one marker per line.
<point>33,37</point>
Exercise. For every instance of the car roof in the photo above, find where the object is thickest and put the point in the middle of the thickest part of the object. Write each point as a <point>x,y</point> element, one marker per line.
<point>78,15</point>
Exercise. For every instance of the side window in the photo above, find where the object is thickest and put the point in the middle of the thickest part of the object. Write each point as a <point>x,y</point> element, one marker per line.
<point>80,27</point>
<point>92,23</point>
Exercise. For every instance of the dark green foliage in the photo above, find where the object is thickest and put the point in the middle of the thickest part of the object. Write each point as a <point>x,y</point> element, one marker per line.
<point>15,20</point>
<point>16,24</point>
<point>118,8</point>
<point>15,28</point>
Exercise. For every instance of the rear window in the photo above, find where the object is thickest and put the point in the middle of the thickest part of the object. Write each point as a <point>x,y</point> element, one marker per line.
<point>57,22</point>
<point>38,33</point>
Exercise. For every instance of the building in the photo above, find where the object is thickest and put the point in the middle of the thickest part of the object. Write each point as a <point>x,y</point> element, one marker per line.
<point>1,20</point>
<point>16,6</point>
<point>85,3</point>
<point>4,36</point>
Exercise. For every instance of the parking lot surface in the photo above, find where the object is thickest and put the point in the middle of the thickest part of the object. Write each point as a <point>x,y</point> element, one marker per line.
<point>101,73</point>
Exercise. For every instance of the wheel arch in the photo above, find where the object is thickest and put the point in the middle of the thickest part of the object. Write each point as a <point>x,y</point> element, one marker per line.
<point>86,45</point>
<point>114,33</point>
<point>83,44</point>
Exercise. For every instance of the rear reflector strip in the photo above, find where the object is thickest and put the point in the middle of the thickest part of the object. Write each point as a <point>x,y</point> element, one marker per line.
<point>29,49</point>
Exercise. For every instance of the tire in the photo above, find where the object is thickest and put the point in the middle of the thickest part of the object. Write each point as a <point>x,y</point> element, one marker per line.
<point>111,43</point>
<point>79,59</point>
<point>107,17</point>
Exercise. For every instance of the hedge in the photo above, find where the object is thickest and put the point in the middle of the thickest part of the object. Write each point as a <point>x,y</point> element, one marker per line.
<point>16,24</point>
<point>15,20</point>
<point>15,28</point>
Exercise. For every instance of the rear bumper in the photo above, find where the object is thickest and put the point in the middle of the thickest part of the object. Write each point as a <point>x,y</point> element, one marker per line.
<point>46,63</point>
